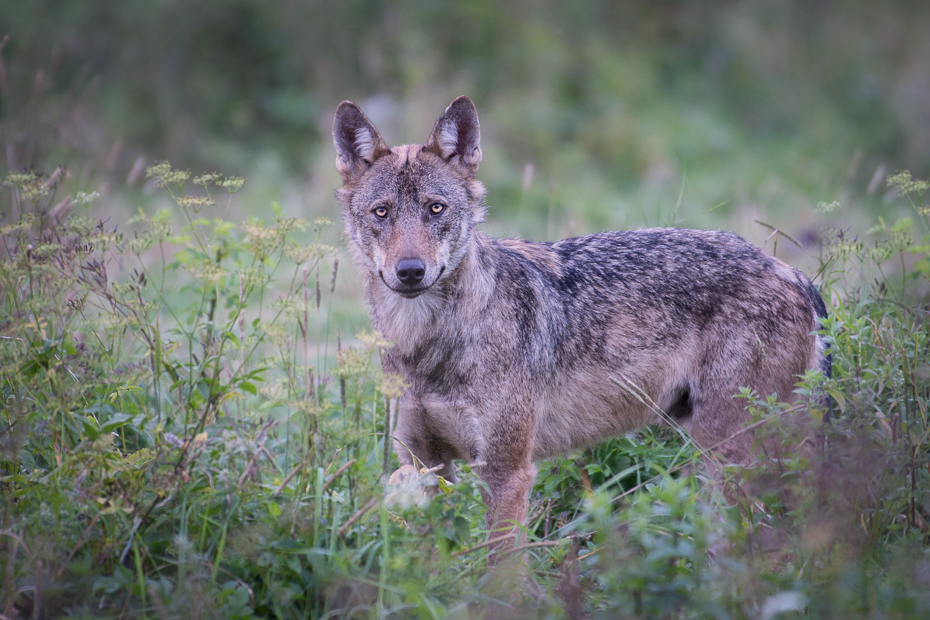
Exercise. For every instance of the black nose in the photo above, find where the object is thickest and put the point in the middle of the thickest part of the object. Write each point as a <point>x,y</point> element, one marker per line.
<point>410,271</point>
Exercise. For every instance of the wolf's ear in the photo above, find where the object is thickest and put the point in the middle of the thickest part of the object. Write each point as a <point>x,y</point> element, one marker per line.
<point>457,137</point>
<point>358,143</point>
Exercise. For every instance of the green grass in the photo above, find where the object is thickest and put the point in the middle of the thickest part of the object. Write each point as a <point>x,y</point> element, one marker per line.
<point>182,436</point>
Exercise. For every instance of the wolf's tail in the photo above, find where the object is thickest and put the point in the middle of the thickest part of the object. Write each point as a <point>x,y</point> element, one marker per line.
<point>820,308</point>
<point>826,359</point>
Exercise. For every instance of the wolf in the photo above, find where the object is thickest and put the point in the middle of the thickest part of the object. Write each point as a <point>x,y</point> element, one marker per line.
<point>514,351</point>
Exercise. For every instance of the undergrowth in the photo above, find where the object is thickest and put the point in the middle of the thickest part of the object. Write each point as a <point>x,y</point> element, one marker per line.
<point>178,440</point>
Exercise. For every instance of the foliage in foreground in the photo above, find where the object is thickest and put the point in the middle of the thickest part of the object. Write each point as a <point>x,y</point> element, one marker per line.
<point>174,444</point>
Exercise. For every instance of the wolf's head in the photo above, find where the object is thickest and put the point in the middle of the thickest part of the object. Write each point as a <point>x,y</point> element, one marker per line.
<point>409,211</point>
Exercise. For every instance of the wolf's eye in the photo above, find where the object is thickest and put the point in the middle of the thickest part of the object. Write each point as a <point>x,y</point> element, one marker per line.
<point>381,211</point>
<point>436,208</point>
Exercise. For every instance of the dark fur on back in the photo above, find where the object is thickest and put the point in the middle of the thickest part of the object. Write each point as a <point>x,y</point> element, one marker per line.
<point>515,351</point>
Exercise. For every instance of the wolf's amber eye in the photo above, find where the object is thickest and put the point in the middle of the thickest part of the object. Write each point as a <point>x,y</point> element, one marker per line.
<point>381,211</point>
<point>436,208</point>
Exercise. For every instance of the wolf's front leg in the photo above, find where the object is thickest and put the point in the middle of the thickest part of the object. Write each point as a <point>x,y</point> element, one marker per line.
<point>417,447</point>
<point>507,499</point>
<point>508,471</point>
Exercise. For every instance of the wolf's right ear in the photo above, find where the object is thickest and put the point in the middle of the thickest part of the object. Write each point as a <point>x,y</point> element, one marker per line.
<point>457,135</point>
<point>358,143</point>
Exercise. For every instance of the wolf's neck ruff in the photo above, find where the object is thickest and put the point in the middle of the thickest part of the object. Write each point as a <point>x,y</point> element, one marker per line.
<point>457,298</point>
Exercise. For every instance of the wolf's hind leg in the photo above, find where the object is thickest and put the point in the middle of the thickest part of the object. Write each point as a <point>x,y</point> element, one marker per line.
<point>718,425</point>
<point>718,428</point>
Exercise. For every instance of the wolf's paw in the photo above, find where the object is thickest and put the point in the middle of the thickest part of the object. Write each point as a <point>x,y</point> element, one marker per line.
<point>401,473</point>
<point>408,486</point>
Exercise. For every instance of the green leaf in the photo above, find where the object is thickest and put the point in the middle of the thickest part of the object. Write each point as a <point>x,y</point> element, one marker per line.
<point>26,460</point>
<point>274,510</point>
<point>91,428</point>
<point>839,398</point>
<point>115,422</point>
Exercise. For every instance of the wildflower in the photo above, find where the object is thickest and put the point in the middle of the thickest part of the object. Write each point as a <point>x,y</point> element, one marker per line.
<point>904,184</point>
<point>164,174</point>
<point>195,203</point>
<point>232,184</point>
<point>301,254</point>
<point>207,179</point>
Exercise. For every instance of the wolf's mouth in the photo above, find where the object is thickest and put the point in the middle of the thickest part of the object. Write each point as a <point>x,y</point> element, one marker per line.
<point>411,293</point>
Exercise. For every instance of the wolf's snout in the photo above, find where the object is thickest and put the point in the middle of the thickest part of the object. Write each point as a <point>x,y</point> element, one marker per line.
<point>410,271</point>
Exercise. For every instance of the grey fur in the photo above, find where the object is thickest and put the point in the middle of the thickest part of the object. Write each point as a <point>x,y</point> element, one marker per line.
<point>511,348</point>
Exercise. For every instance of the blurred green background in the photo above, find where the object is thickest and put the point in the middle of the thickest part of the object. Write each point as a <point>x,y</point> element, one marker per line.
<point>595,113</point>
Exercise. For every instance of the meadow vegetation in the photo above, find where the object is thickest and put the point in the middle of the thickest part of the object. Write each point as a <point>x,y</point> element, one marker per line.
<point>193,416</point>
<point>173,447</point>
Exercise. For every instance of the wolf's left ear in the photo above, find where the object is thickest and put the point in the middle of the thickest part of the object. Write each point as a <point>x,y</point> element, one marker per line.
<point>457,137</point>
<point>358,143</point>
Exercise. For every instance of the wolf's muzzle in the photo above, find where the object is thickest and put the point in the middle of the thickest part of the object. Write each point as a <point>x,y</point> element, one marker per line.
<point>411,279</point>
